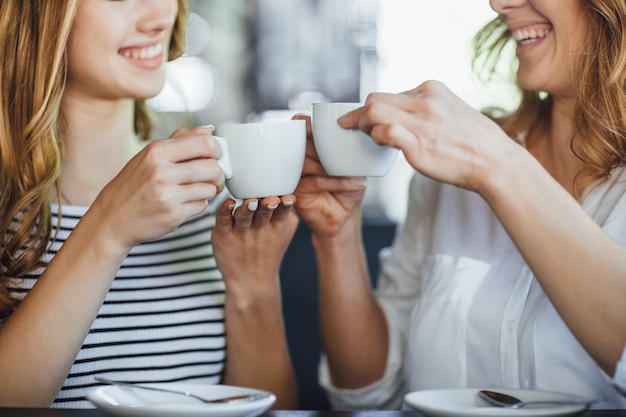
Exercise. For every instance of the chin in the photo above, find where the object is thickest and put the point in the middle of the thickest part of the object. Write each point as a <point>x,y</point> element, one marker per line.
<point>145,93</point>
<point>147,96</point>
<point>529,83</point>
<point>146,87</point>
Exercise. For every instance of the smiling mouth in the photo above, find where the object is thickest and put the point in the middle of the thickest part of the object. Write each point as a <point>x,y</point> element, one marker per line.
<point>531,34</point>
<point>149,52</point>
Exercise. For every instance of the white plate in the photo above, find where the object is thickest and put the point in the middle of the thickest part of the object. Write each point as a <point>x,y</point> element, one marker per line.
<point>129,402</point>
<point>464,402</point>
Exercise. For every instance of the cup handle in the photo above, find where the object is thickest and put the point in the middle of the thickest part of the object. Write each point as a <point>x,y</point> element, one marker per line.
<point>224,160</point>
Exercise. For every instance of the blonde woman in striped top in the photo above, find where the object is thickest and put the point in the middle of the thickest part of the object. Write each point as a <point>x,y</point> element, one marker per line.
<point>107,258</point>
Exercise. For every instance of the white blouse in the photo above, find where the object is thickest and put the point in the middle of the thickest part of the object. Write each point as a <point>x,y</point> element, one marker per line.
<point>620,374</point>
<point>464,309</point>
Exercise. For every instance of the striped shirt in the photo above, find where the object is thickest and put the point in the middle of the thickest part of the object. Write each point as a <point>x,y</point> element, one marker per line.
<point>163,318</point>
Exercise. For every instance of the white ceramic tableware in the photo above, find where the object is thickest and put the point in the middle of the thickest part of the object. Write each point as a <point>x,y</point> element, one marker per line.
<point>262,159</point>
<point>465,402</point>
<point>500,399</point>
<point>124,402</point>
<point>347,152</point>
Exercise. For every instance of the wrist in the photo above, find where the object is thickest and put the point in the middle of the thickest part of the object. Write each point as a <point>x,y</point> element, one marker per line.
<point>346,243</point>
<point>252,294</point>
<point>347,232</point>
<point>107,244</point>
<point>500,174</point>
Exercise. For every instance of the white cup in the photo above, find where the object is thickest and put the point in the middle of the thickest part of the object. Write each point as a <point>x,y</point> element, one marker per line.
<point>347,152</point>
<point>262,159</point>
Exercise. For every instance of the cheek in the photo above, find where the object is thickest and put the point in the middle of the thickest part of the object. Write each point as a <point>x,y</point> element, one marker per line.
<point>86,55</point>
<point>577,47</point>
<point>78,56</point>
<point>93,38</point>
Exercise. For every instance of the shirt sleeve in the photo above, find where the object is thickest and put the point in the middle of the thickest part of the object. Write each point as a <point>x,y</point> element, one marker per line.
<point>612,220</point>
<point>619,380</point>
<point>398,289</point>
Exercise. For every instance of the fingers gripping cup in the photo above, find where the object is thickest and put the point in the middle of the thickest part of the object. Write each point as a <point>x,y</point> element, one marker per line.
<point>262,159</point>
<point>347,152</point>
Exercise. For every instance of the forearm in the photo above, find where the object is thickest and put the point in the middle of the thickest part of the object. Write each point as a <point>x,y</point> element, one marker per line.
<point>354,329</point>
<point>257,352</point>
<point>43,336</point>
<point>581,269</point>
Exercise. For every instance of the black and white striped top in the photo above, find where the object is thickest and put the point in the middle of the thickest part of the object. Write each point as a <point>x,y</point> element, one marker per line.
<point>162,320</point>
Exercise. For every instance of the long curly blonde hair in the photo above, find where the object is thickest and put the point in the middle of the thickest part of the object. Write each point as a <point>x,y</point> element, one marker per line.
<point>600,109</point>
<point>33,70</point>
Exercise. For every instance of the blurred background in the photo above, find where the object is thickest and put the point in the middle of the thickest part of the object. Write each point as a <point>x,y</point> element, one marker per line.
<point>250,60</point>
<point>253,60</point>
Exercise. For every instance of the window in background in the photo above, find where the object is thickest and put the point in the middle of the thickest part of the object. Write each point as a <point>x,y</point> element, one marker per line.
<point>417,41</point>
<point>304,52</point>
<point>249,58</point>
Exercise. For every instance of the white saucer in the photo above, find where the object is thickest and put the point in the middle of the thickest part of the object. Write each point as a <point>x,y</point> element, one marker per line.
<point>463,402</point>
<point>125,402</point>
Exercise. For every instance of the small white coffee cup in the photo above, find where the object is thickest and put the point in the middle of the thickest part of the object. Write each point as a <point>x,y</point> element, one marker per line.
<point>262,159</point>
<point>347,152</point>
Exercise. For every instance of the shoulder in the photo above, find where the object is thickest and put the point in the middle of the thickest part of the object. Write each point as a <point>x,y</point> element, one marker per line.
<point>609,193</point>
<point>606,204</point>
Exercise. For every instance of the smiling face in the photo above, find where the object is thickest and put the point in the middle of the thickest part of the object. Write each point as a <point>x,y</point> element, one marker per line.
<point>118,48</point>
<point>550,38</point>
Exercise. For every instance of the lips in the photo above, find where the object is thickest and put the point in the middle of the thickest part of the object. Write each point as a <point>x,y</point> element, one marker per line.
<point>142,53</point>
<point>532,33</point>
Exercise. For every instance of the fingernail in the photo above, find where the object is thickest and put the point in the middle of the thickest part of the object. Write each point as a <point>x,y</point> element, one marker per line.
<point>231,207</point>
<point>360,182</point>
<point>273,207</point>
<point>288,203</point>
<point>253,205</point>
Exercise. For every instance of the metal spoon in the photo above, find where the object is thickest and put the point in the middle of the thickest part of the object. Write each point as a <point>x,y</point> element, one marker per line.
<point>504,400</point>
<point>236,399</point>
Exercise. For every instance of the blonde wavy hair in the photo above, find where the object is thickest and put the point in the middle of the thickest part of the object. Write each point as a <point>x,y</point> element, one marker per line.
<point>600,109</point>
<point>33,70</point>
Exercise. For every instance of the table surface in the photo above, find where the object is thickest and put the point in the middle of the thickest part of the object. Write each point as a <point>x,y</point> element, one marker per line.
<point>58,412</point>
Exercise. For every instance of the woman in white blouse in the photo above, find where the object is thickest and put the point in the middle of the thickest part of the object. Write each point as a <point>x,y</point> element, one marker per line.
<point>510,269</point>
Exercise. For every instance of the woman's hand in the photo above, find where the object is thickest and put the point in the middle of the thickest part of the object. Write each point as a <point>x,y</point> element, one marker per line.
<point>440,135</point>
<point>167,182</point>
<point>250,241</point>
<point>447,140</point>
<point>249,244</point>
<point>326,203</point>
<point>353,327</point>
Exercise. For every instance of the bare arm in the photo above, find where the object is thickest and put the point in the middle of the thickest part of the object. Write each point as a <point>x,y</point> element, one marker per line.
<point>45,333</point>
<point>152,195</point>
<point>354,330</point>
<point>579,266</point>
<point>355,337</point>
<point>249,247</point>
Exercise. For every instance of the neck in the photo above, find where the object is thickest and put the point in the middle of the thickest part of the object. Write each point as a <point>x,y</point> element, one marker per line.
<point>550,142</point>
<point>97,144</point>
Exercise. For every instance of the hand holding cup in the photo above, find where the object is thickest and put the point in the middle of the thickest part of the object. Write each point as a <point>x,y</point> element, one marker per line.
<point>347,152</point>
<point>262,159</point>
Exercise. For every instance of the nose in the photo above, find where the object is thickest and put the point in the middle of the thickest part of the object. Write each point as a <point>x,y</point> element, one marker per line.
<point>502,6</point>
<point>156,15</point>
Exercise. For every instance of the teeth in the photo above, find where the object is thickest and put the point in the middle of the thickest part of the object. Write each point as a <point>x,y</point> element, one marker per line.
<point>144,53</point>
<point>529,34</point>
